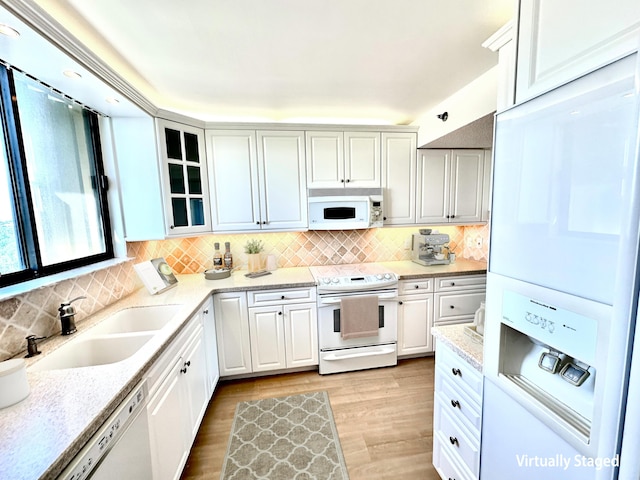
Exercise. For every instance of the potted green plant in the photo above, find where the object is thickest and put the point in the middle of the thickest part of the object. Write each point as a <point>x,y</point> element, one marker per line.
<point>254,261</point>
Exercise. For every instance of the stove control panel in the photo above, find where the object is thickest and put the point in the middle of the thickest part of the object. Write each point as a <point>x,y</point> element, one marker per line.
<point>357,282</point>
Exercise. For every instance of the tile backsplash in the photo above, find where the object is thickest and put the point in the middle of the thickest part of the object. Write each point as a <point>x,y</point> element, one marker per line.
<point>36,312</point>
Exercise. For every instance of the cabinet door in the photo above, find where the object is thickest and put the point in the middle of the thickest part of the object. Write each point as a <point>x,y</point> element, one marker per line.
<point>554,49</point>
<point>486,186</point>
<point>233,169</point>
<point>399,177</point>
<point>136,155</point>
<point>232,329</point>
<point>325,159</point>
<point>415,319</point>
<point>186,187</point>
<point>467,176</point>
<point>194,375</point>
<point>168,426</point>
<point>211,346</point>
<point>434,183</point>
<point>266,329</point>
<point>283,191</point>
<point>362,159</point>
<point>301,334</point>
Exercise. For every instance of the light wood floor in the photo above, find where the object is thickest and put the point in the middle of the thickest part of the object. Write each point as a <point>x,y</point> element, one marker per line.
<point>384,419</point>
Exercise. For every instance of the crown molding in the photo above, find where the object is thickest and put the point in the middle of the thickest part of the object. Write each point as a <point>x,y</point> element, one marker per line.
<point>46,26</point>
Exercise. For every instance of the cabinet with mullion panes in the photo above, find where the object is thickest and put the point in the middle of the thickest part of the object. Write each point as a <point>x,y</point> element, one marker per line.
<point>186,188</point>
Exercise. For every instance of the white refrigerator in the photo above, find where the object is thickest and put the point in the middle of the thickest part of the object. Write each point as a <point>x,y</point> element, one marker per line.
<point>561,399</point>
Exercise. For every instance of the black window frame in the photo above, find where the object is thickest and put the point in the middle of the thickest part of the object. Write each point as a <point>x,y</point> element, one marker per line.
<point>29,243</point>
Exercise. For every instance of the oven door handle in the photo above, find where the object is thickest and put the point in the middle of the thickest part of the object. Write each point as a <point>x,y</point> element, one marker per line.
<point>335,301</point>
<point>332,357</point>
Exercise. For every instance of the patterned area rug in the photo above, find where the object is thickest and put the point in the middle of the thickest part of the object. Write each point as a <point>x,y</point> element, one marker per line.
<point>289,438</point>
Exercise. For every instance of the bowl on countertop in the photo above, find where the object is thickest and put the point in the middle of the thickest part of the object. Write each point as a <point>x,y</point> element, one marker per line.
<point>217,274</point>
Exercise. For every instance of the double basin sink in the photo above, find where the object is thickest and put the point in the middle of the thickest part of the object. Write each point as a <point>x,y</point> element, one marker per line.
<point>113,340</point>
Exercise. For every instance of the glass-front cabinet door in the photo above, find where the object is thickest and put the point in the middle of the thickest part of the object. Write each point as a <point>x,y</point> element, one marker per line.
<point>186,188</point>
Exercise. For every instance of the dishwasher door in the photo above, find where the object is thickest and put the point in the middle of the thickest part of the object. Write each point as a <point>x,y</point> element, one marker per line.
<point>120,449</point>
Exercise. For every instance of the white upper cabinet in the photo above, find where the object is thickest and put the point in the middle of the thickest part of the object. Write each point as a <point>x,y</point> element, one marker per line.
<point>233,173</point>
<point>136,158</point>
<point>162,178</point>
<point>282,173</point>
<point>258,180</point>
<point>450,186</point>
<point>560,40</point>
<point>185,184</point>
<point>399,177</point>
<point>362,159</point>
<point>343,159</point>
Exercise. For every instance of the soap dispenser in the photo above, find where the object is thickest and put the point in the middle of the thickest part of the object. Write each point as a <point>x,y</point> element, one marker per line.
<point>478,319</point>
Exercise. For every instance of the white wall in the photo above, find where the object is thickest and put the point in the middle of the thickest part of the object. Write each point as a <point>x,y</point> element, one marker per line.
<point>471,102</point>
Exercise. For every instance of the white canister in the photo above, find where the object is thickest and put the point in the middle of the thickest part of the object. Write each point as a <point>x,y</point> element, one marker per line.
<point>14,386</point>
<point>271,263</point>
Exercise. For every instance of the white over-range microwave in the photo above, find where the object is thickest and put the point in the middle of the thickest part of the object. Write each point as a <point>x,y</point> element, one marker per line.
<point>345,208</point>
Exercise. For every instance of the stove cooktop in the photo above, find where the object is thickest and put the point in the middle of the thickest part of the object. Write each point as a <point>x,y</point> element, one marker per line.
<point>353,277</point>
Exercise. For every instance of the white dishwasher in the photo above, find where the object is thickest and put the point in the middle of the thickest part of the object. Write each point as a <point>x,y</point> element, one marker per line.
<point>120,448</point>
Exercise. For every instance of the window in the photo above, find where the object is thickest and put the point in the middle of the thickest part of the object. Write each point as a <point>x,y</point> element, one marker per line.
<point>53,209</point>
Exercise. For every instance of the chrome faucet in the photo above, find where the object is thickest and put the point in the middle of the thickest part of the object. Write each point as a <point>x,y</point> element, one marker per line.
<point>67,317</point>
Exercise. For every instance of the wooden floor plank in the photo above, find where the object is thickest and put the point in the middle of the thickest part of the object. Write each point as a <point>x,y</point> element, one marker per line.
<point>384,419</point>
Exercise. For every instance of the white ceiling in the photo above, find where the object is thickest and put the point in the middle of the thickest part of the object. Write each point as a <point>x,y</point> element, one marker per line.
<point>370,61</point>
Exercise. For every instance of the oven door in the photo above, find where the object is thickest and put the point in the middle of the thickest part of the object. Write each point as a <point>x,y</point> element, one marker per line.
<point>329,324</point>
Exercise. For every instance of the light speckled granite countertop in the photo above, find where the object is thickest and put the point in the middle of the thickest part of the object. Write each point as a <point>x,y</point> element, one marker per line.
<point>461,343</point>
<point>42,434</point>
<point>408,270</point>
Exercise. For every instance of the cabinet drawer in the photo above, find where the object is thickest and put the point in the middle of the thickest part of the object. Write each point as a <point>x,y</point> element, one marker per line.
<point>460,403</point>
<point>458,371</point>
<point>465,282</point>
<point>450,306</point>
<point>446,466</point>
<point>164,364</point>
<point>407,287</point>
<point>278,297</point>
<point>463,446</point>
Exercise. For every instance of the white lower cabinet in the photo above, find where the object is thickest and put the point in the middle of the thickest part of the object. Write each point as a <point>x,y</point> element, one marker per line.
<point>266,330</point>
<point>211,345</point>
<point>457,418</point>
<point>415,316</point>
<point>283,336</point>
<point>232,329</point>
<point>179,394</point>
<point>456,299</point>
<point>283,327</point>
<point>428,302</point>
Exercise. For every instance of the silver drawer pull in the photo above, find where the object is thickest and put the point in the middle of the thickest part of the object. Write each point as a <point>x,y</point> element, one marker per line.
<point>456,372</point>
<point>455,403</point>
<point>454,441</point>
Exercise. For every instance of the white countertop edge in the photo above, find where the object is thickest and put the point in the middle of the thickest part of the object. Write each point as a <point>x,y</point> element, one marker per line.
<point>461,343</point>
